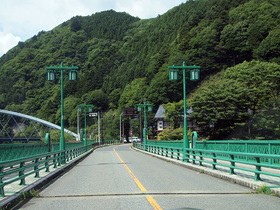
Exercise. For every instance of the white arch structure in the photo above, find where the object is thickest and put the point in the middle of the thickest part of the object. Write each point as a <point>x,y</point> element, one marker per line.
<point>51,125</point>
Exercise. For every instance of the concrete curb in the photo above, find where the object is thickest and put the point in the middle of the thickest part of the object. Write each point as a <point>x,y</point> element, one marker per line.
<point>216,173</point>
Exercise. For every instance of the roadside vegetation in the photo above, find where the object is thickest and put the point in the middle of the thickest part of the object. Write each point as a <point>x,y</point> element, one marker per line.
<point>124,59</point>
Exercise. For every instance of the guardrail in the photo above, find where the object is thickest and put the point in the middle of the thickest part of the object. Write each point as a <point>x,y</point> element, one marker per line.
<point>111,141</point>
<point>250,146</point>
<point>244,146</point>
<point>221,158</point>
<point>17,170</point>
<point>16,151</point>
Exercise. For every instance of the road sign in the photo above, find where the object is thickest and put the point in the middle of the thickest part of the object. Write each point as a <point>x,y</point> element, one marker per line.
<point>93,114</point>
<point>128,112</point>
<point>131,132</point>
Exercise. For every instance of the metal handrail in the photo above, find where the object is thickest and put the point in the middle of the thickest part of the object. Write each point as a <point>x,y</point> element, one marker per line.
<point>212,157</point>
<point>24,167</point>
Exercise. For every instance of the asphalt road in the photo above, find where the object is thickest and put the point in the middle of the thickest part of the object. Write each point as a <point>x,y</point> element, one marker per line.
<point>117,177</point>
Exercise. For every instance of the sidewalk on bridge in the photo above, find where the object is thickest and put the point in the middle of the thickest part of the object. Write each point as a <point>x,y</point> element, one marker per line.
<point>240,177</point>
<point>13,191</point>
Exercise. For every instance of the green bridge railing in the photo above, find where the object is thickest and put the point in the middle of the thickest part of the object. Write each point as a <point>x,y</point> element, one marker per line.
<point>22,160</point>
<point>24,167</point>
<point>243,146</point>
<point>250,146</point>
<point>16,151</point>
<point>219,157</point>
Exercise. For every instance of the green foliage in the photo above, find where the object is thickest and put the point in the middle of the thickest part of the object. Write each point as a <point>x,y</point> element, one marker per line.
<point>249,25</point>
<point>173,134</point>
<point>266,122</point>
<point>223,103</point>
<point>269,48</point>
<point>55,136</point>
<point>174,113</point>
<point>133,93</point>
<point>30,194</point>
<point>111,125</point>
<point>97,98</point>
<point>75,25</point>
<point>123,59</point>
<point>107,24</point>
<point>262,189</point>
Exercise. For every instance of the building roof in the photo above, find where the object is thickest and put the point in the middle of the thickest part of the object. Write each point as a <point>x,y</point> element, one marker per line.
<point>160,112</point>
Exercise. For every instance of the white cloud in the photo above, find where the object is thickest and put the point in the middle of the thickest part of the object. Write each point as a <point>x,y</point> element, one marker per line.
<point>7,41</point>
<point>146,8</point>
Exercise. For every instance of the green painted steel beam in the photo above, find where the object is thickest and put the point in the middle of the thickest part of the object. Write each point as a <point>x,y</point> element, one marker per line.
<point>184,67</point>
<point>62,67</point>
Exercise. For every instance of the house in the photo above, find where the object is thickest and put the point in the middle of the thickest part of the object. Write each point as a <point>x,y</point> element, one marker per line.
<point>160,119</point>
<point>162,123</point>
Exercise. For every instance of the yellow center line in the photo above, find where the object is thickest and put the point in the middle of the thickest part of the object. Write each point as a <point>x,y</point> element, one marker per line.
<point>141,187</point>
<point>154,203</point>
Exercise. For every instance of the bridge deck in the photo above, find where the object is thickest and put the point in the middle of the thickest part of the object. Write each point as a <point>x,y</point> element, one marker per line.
<point>117,177</point>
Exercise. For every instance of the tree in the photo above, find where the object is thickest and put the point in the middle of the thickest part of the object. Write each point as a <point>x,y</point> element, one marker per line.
<point>268,49</point>
<point>215,108</point>
<point>171,135</point>
<point>133,93</point>
<point>235,40</point>
<point>260,80</point>
<point>203,49</point>
<point>223,103</point>
<point>123,59</point>
<point>97,98</point>
<point>174,113</point>
<point>266,122</point>
<point>75,24</point>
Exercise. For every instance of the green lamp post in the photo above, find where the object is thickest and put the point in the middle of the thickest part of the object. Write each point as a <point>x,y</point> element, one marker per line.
<point>194,76</point>
<point>80,108</point>
<point>139,108</point>
<point>72,76</point>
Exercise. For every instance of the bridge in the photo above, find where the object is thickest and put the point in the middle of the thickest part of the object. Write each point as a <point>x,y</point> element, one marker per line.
<point>153,175</point>
<point>28,117</point>
<point>121,177</point>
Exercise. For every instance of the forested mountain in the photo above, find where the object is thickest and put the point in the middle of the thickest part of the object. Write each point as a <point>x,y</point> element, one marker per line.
<point>123,59</point>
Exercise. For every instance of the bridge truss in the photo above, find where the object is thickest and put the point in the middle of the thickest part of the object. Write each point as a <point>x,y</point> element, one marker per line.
<point>15,126</point>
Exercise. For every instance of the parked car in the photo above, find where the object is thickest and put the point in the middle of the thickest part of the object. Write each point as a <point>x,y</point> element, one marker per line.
<point>136,139</point>
<point>124,140</point>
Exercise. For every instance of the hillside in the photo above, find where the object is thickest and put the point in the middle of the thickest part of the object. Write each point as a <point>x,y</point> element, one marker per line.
<point>123,59</point>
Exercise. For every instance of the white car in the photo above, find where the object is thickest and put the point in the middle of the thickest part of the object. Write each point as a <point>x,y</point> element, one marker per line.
<point>136,139</point>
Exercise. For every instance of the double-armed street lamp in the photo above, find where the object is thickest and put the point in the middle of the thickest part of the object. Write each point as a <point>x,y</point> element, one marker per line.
<point>139,108</point>
<point>80,108</point>
<point>72,76</point>
<point>194,76</point>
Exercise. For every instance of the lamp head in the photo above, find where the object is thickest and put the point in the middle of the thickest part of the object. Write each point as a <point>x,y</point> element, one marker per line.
<point>194,74</point>
<point>51,75</point>
<point>173,74</point>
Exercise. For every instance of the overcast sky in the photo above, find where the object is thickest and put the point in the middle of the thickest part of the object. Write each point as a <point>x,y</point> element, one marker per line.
<point>22,19</point>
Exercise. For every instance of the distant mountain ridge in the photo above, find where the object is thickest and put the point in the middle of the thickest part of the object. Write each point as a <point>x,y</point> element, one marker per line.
<point>123,59</point>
